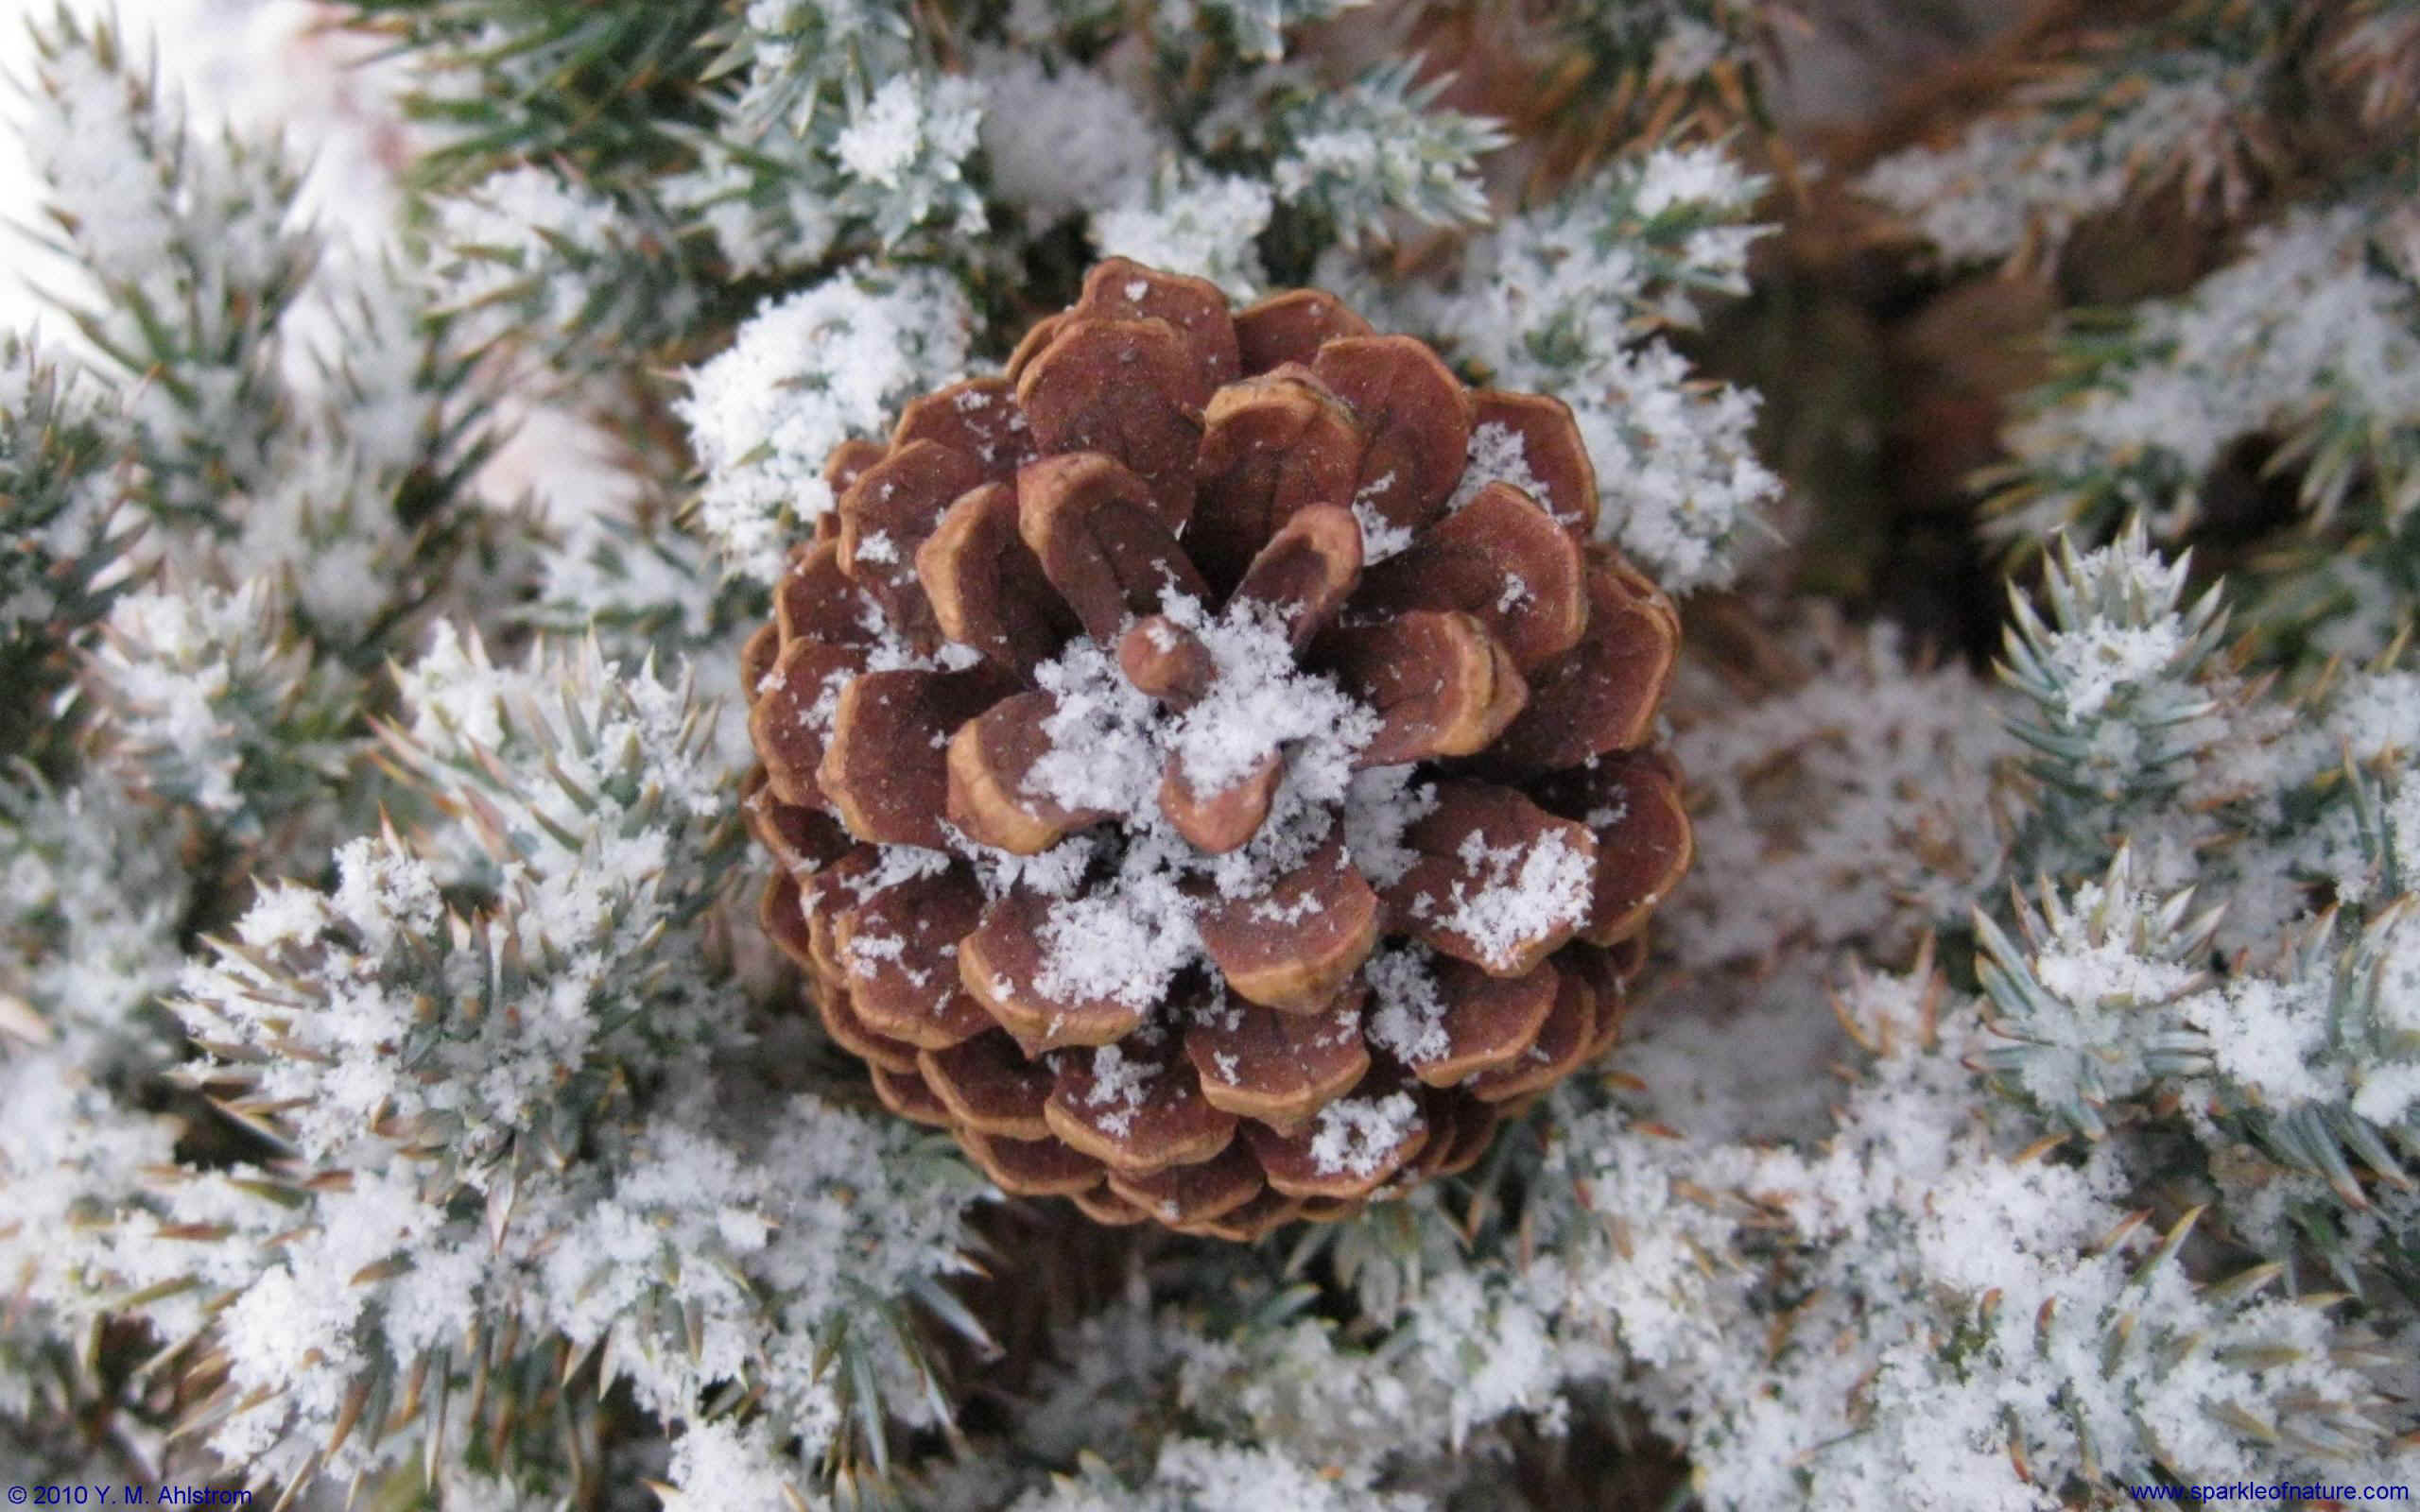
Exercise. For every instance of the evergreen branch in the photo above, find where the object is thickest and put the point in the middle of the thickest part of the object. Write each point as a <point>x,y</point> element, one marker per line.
<point>2119,690</point>
<point>2308,340</point>
<point>1563,300</point>
<point>594,86</point>
<point>194,251</point>
<point>835,131</point>
<point>210,700</point>
<point>64,536</point>
<point>1377,149</point>
<point>2093,1004</point>
<point>2117,117</point>
<point>1258,27</point>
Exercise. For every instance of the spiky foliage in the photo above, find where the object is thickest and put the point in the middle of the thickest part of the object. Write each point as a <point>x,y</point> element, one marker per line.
<point>2305,341</point>
<point>836,131</point>
<point>2120,688</point>
<point>1648,48</point>
<point>72,1173</point>
<point>528,260</point>
<point>2186,104</point>
<point>567,755</point>
<point>1568,298</point>
<point>810,372</point>
<point>1288,158</point>
<point>1379,148</point>
<point>92,923</point>
<point>2274,1037</point>
<point>2071,1354</point>
<point>509,83</point>
<point>2075,1357</point>
<point>208,730</point>
<point>641,584</point>
<point>67,538</point>
<point>2375,46</point>
<point>191,246</point>
<point>509,1100</point>
<point>1859,808</point>
<point>2090,1001</point>
<point>2321,1061</point>
<point>2267,349</point>
<point>1208,224</point>
<point>1259,27</point>
<point>283,404</point>
<point>2315,1055</point>
<point>90,940</point>
<point>209,699</point>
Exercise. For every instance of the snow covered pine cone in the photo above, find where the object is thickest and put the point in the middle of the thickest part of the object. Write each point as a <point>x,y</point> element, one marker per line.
<point>1206,765</point>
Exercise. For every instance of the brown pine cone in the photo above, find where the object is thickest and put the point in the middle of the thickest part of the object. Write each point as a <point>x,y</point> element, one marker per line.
<point>1206,765</point>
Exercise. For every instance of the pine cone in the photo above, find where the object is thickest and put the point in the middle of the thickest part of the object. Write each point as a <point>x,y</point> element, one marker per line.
<point>1206,765</point>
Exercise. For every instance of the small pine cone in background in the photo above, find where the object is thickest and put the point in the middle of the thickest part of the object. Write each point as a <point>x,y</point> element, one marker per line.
<point>1206,765</point>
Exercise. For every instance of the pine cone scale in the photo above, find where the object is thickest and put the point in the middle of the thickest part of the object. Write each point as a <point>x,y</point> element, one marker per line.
<point>1416,416</point>
<point>1558,1045</point>
<point>1291,327</point>
<point>900,948</point>
<point>1307,571</point>
<point>1601,695</point>
<point>1295,946</point>
<point>1501,559</point>
<point>990,1087</point>
<point>1105,540</point>
<point>1489,1022</point>
<point>886,515</point>
<point>990,762</point>
<point>1129,389</point>
<point>1031,1168</point>
<point>977,419</point>
<point>1561,477</point>
<point>1135,1125</point>
<point>985,586</point>
<point>1003,963</point>
<point>1191,307</point>
<point>1271,446</point>
<point>1442,686</point>
<point>1279,1068</point>
<point>885,767</point>
<point>1202,1192</point>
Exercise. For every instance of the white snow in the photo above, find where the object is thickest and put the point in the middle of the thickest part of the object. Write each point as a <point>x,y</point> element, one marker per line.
<point>1354,1135</point>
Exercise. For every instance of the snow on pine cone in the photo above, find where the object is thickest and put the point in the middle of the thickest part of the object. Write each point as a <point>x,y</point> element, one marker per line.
<point>1206,765</point>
